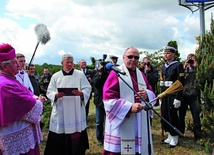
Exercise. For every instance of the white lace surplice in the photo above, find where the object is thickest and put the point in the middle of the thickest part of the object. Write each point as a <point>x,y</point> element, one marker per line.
<point>21,136</point>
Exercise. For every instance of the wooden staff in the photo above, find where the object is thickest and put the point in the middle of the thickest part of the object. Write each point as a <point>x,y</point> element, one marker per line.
<point>162,137</point>
<point>175,87</point>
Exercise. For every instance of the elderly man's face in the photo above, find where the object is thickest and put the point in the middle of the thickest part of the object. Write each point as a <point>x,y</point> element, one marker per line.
<point>82,64</point>
<point>130,58</point>
<point>67,64</point>
<point>11,68</point>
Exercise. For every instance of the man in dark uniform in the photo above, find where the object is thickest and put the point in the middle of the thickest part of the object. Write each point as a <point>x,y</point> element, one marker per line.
<point>171,71</point>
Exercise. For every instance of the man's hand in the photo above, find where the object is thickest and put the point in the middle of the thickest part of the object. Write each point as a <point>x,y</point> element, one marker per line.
<point>143,94</point>
<point>147,68</point>
<point>42,99</point>
<point>59,95</point>
<point>176,103</point>
<point>147,106</point>
<point>77,92</point>
<point>136,107</point>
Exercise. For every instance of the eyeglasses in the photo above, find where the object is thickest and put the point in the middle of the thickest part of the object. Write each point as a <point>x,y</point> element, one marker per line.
<point>132,56</point>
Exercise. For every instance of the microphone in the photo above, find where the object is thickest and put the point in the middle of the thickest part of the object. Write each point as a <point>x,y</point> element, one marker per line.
<point>110,66</point>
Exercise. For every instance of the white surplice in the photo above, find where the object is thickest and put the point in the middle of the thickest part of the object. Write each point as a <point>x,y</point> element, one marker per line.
<point>24,80</point>
<point>68,113</point>
<point>127,135</point>
<point>27,130</point>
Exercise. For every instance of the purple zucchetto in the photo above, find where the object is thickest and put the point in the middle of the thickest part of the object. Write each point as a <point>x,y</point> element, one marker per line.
<point>7,52</point>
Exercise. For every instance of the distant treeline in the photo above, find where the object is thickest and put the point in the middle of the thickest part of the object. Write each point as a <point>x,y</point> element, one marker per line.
<point>54,68</point>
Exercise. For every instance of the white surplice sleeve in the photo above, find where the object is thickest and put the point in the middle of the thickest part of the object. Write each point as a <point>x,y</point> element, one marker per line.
<point>86,89</point>
<point>34,115</point>
<point>116,111</point>
<point>52,90</point>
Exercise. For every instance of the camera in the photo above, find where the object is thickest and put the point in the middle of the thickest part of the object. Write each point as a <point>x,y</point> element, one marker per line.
<point>147,64</point>
<point>45,81</point>
<point>190,61</point>
<point>101,62</point>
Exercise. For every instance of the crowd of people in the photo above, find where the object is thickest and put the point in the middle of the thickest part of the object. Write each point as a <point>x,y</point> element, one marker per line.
<point>123,108</point>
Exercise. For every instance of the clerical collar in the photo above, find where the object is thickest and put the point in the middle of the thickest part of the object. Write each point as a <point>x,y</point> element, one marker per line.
<point>21,72</point>
<point>68,73</point>
<point>131,70</point>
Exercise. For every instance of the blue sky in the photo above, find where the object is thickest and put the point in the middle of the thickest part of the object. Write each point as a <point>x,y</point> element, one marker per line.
<point>92,28</point>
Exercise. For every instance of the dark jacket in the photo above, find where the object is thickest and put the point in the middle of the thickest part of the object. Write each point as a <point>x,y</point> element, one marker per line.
<point>190,87</point>
<point>89,75</point>
<point>35,83</point>
<point>172,73</point>
<point>98,82</point>
<point>152,77</point>
<point>45,80</point>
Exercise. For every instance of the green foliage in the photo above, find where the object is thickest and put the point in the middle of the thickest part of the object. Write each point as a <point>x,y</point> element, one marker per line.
<point>156,57</point>
<point>205,76</point>
<point>52,68</point>
<point>55,68</point>
<point>46,114</point>
<point>92,66</point>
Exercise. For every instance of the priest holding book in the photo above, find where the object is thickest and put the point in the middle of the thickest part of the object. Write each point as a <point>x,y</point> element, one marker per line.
<point>69,92</point>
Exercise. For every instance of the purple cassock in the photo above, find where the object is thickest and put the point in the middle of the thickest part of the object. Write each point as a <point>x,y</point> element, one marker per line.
<point>19,118</point>
<point>118,99</point>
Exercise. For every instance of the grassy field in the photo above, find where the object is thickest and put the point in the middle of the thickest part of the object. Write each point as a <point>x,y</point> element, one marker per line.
<point>186,146</point>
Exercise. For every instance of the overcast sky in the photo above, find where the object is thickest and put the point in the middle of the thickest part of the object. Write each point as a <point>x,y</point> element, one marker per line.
<point>91,28</point>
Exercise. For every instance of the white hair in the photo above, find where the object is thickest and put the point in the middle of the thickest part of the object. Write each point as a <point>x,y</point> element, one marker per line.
<point>66,56</point>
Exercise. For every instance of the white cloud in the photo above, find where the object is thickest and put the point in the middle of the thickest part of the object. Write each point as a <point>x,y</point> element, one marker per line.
<point>93,28</point>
